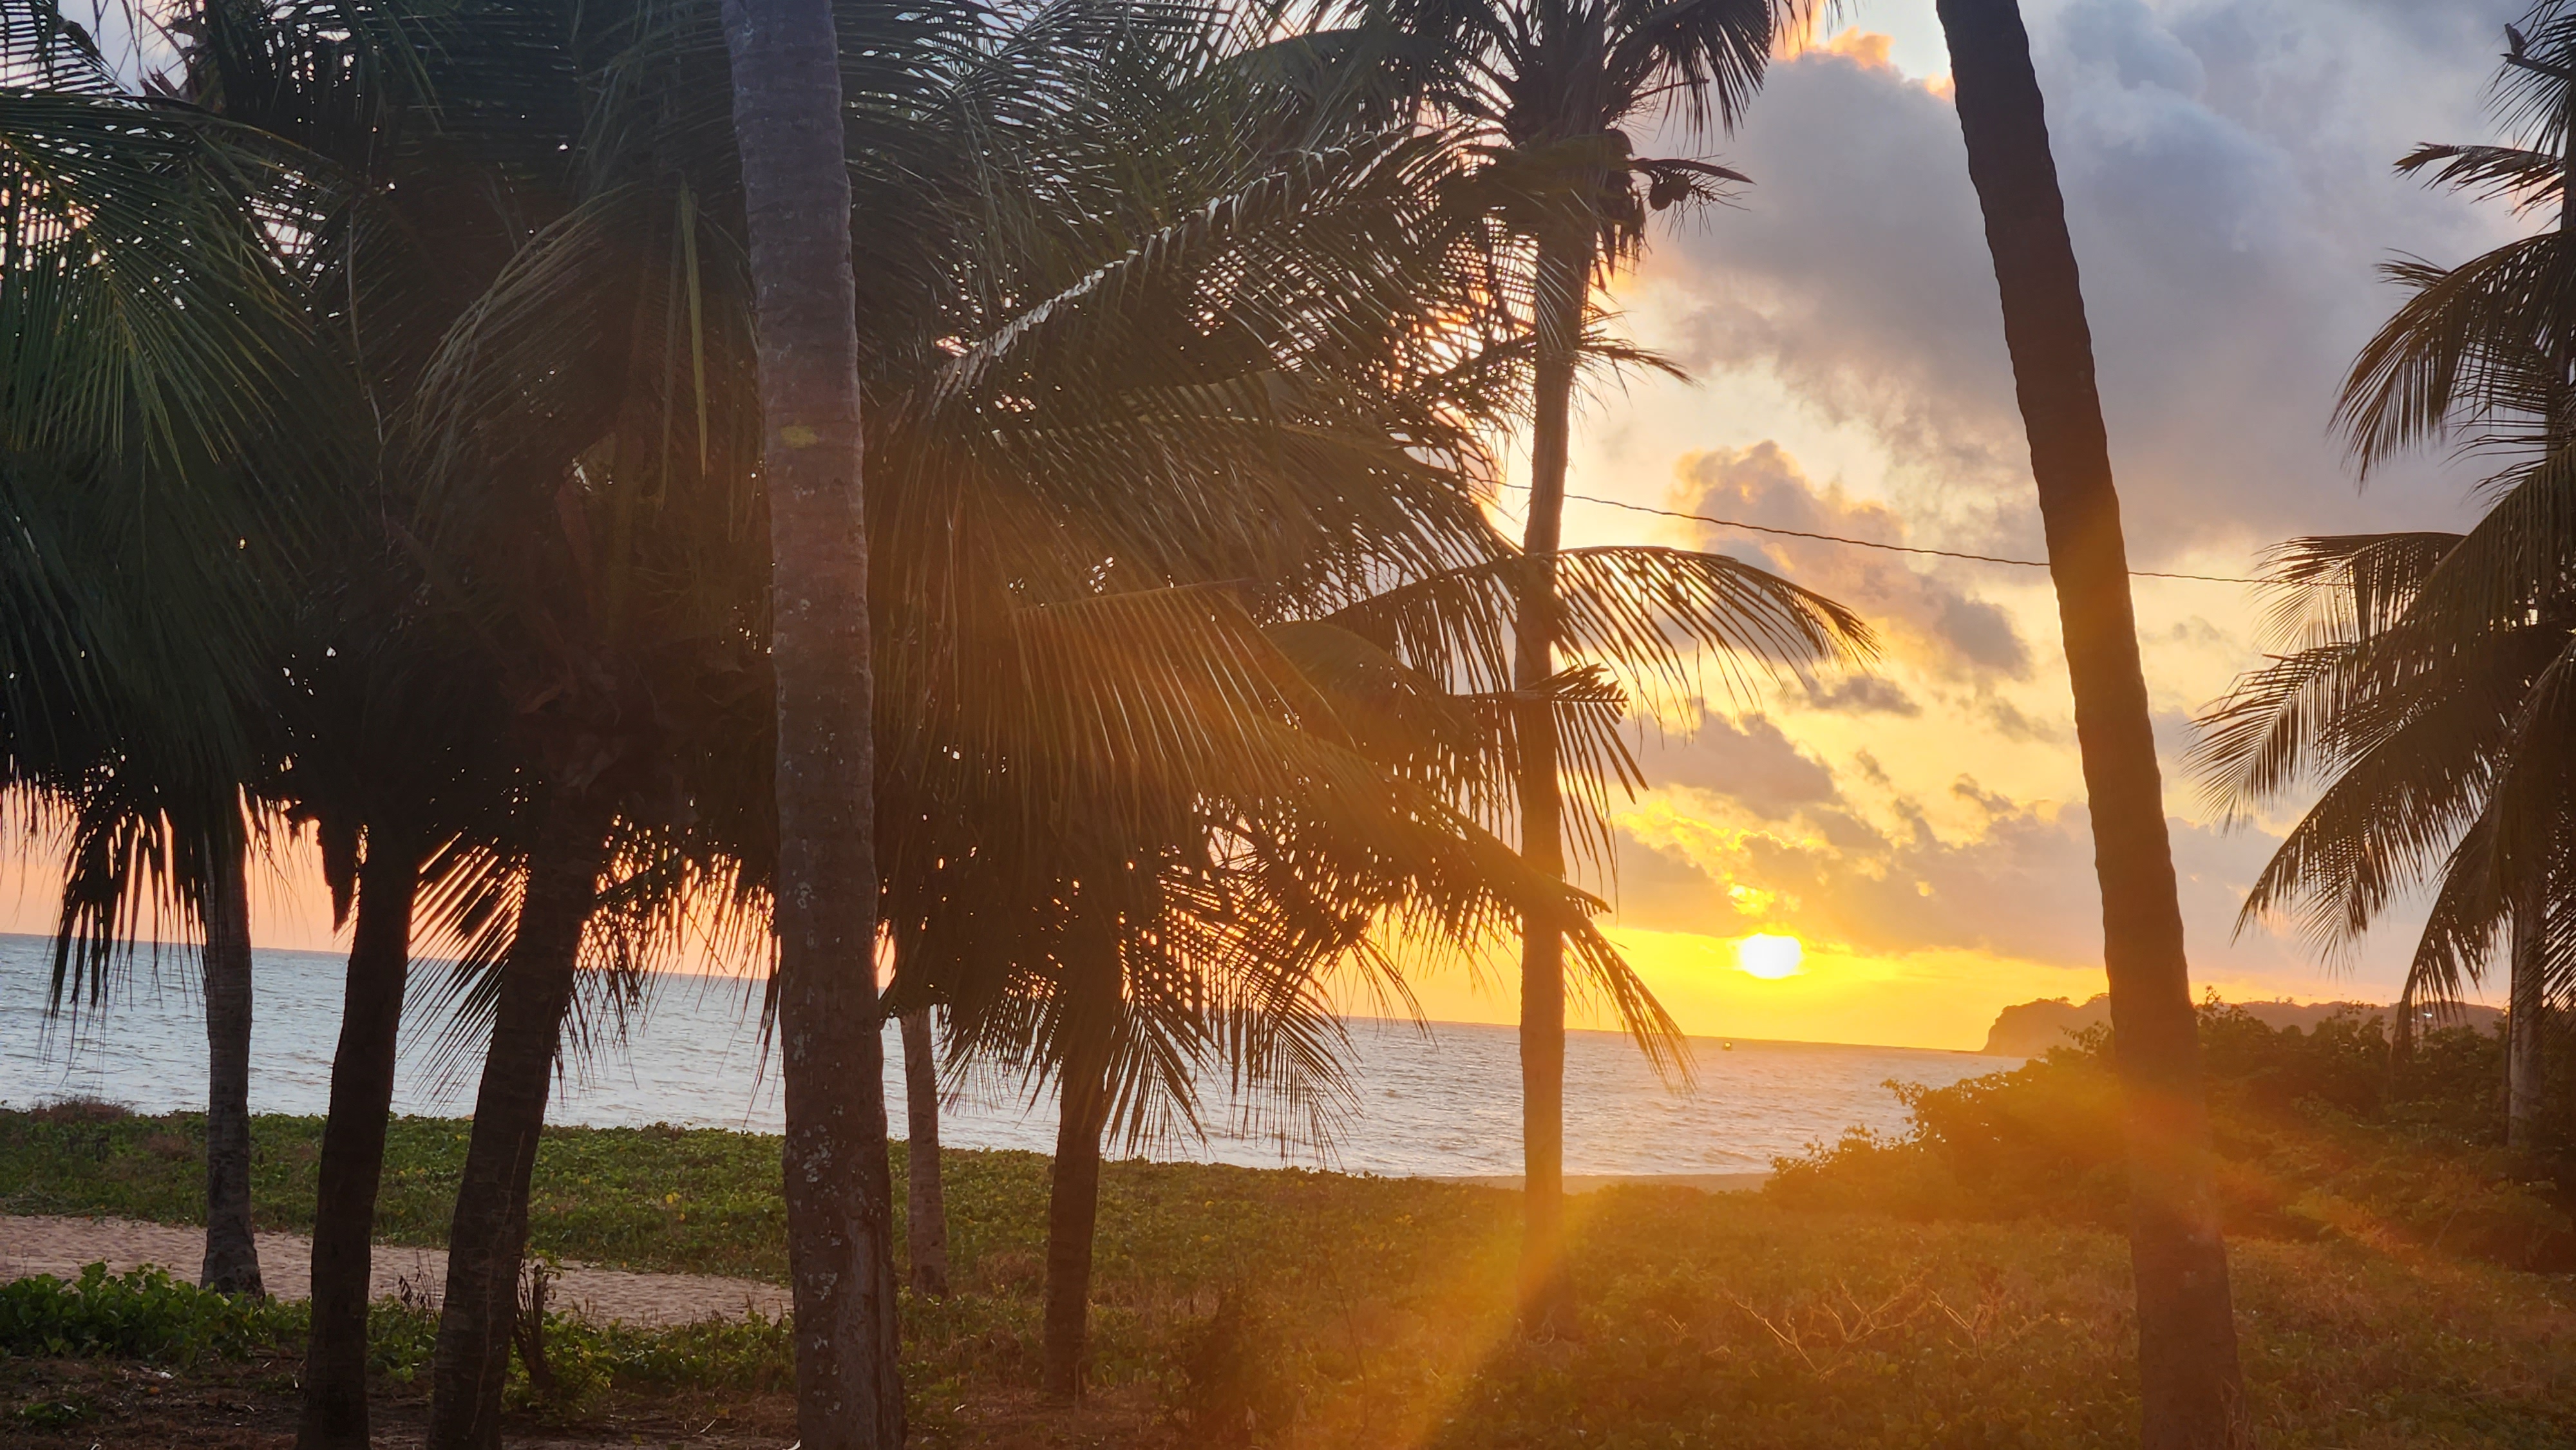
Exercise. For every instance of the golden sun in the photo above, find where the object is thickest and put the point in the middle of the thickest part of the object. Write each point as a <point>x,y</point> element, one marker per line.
<point>1770,956</point>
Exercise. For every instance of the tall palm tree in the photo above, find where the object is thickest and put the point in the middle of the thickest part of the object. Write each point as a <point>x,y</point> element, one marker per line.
<point>2190,1387</point>
<point>796,191</point>
<point>1237,258</point>
<point>1548,90</point>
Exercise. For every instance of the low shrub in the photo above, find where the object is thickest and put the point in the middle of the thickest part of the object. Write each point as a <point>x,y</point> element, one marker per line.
<point>144,1314</point>
<point>2318,1135</point>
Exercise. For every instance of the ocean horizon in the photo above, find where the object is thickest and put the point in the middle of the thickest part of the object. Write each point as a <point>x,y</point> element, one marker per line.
<point>1438,1099</point>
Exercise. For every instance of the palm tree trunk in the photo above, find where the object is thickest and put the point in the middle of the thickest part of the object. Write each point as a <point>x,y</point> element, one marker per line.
<point>232,1256</point>
<point>353,1147</point>
<point>1546,1294</point>
<point>2527,1000</point>
<point>489,1232</point>
<point>1073,1208</point>
<point>926,1206</point>
<point>839,1187</point>
<point>2190,1386</point>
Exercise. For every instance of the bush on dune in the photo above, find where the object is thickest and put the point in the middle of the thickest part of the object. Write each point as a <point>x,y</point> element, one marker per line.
<point>2318,1136</point>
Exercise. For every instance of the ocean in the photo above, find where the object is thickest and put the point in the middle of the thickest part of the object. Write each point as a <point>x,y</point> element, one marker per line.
<point>1437,1101</point>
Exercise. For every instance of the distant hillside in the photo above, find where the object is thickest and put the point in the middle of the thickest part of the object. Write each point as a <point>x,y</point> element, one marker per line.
<point>2034,1027</point>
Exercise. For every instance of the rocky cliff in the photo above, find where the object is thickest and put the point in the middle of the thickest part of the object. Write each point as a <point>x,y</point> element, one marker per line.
<point>2034,1027</point>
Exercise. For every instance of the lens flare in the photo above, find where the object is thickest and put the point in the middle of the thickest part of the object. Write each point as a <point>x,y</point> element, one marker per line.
<point>1770,956</point>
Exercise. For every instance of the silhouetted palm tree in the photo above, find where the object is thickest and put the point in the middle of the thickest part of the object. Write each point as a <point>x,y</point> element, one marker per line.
<point>149,347</point>
<point>1546,90</point>
<point>2422,675</point>
<point>2190,1387</point>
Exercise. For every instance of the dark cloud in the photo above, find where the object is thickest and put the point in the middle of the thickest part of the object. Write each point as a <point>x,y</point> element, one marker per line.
<point>1662,890</point>
<point>2010,722</point>
<point>1861,695</point>
<point>2226,165</point>
<point>1751,763</point>
<point>1984,634</point>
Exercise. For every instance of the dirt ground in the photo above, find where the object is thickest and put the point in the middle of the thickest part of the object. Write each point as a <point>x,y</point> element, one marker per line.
<point>111,1405</point>
<point>61,1246</point>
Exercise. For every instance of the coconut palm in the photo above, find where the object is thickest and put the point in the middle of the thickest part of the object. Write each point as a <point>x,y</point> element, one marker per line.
<point>2190,1386</point>
<point>2419,680</point>
<point>786,63</point>
<point>1548,91</point>
<point>151,344</point>
<point>1116,956</point>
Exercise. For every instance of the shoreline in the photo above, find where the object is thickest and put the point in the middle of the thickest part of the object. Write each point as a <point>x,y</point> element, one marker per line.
<point>1747,1182</point>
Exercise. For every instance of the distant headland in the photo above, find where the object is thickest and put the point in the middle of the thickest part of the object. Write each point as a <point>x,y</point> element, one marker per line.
<point>2034,1027</point>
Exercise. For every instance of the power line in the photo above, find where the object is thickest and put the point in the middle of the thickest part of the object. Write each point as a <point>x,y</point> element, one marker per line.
<point>1876,544</point>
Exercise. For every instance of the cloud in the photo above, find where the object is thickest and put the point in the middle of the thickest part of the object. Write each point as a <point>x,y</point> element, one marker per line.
<point>1861,695</point>
<point>2020,884</point>
<point>1662,890</point>
<point>1752,764</point>
<point>1947,630</point>
<point>2226,165</point>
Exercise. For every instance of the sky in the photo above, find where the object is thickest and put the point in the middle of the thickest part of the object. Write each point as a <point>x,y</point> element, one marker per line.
<point>1920,830</point>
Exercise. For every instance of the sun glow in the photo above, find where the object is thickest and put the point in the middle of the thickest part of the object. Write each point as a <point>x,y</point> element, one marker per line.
<point>1770,956</point>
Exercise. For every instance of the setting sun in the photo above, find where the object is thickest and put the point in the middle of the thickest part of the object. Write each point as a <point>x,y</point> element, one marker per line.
<point>1770,956</point>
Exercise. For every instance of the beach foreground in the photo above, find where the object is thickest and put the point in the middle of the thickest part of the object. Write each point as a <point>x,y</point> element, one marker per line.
<point>1290,1307</point>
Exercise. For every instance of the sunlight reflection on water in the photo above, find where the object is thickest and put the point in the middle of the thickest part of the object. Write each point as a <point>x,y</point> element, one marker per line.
<point>1443,1104</point>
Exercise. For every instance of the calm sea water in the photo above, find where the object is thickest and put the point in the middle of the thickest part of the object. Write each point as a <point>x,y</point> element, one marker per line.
<point>1437,1103</point>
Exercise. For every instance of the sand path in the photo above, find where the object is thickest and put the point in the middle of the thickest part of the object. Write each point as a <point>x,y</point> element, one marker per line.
<point>61,1246</point>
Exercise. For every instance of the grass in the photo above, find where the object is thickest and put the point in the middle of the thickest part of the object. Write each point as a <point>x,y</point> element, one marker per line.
<point>1289,1307</point>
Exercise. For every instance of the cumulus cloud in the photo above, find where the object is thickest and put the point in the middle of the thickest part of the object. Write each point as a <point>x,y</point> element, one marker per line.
<point>1750,763</point>
<point>1861,695</point>
<point>1950,631</point>
<point>2019,885</point>
<point>1662,889</point>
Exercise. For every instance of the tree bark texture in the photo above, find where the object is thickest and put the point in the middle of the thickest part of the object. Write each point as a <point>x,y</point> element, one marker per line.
<point>839,1188</point>
<point>1073,1211</point>
<point>926,1205</point>
<point>232,1257</point>
<point>2191,1390</point>
<point>1546,1294</point>
<point>2527,999</point>
<point>489,1232</point>
<point>353,1148</point>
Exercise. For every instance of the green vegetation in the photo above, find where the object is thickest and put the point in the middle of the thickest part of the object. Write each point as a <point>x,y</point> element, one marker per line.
<point>2317,1138</point>
<point>1232,1304</point>
<point>145,1314</point>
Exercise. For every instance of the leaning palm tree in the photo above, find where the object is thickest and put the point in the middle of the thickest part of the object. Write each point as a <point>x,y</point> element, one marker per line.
<point>2190,1385</point>
<point>2421,683</point>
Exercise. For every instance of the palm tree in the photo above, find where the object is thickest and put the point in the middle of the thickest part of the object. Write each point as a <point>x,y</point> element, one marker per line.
<point>796,189</point>
<point>1547,91</point>
<point>151,343</point>
<point>2191,1389</point>
<point>2421,679</point>
<point>1266,265</point>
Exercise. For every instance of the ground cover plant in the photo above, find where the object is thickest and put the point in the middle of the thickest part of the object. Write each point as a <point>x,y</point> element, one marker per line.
<point>2319,1134</point>
<point>1278,1306</point>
